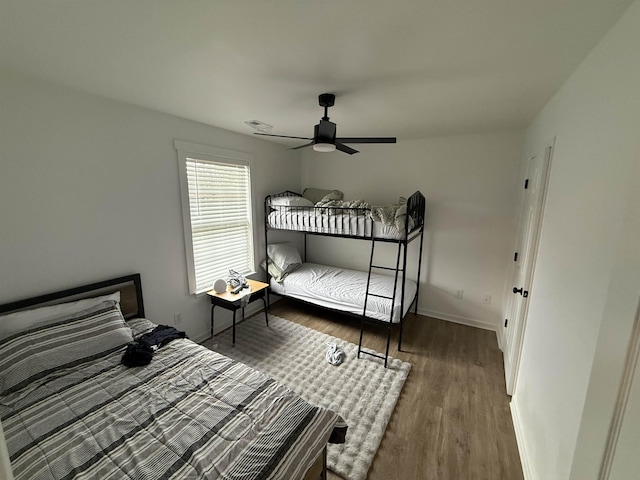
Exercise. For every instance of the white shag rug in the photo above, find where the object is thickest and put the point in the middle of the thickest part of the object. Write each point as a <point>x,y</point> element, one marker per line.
<point>361,390</point>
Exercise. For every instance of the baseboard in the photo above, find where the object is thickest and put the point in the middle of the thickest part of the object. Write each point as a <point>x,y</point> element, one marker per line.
<point>470,322</point>
<point>222,325</point>
<point>253,308</point>
<point>500,336</point>
<point>520,440</point>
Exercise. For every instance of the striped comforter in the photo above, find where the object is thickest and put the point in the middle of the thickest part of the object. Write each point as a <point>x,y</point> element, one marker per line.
<point>190,413</point>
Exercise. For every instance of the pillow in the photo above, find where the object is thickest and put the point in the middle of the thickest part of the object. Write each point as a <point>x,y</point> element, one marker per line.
<point>335,195</point>
<point>25,319</point>
<point>291,202</point>
<point>284,256</point>
<point>274,271</point>
<point>140,326</point>
<point>316,194</point>
<point>71,340</point>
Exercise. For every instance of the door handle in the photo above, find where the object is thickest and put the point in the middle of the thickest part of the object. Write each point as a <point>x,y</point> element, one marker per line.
<point>521,291</point>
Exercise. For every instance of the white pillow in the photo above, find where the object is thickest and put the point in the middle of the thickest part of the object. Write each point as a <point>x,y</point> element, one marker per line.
<point>17,322</point>
<point>284,256</point>
<point>291,202</point>
<point>274,271</point>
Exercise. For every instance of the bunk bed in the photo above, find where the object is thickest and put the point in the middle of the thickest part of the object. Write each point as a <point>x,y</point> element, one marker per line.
<point>375,298</point>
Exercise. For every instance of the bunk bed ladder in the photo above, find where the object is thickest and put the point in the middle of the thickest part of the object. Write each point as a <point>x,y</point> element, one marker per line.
<point>369,294</point>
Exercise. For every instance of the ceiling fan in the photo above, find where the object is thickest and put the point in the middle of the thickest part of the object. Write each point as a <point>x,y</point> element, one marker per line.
<point>324,135</point>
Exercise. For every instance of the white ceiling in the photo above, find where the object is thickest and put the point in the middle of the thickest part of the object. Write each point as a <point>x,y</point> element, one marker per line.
<point>410,68</point>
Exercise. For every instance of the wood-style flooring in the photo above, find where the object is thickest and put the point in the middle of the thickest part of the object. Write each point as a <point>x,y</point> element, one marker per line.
<point>452,420</point>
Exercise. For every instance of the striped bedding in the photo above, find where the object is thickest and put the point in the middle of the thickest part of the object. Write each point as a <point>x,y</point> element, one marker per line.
<point>190,413</point>
<point>309,220</point>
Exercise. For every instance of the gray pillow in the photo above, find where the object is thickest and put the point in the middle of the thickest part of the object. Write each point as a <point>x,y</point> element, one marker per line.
<point>34,353</point>
<point>317,194</point>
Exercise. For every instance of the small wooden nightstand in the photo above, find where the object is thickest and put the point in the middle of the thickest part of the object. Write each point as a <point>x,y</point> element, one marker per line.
<point>257,290</point>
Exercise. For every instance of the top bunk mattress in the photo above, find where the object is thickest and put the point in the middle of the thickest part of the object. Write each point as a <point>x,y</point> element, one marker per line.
<point>344,290</point>
<point>318,221</point>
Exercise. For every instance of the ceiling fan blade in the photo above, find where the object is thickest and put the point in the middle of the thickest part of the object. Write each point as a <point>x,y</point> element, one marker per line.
<point>282,136</point>
<point>367,140</point>
<point>302,146</point>
<point>345,149</point>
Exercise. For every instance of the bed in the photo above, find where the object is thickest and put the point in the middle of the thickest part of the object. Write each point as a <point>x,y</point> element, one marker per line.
<point>70,409</point>
<point>372,296</point>
<point>344,290</point>
<point>348,222</point>
<point>333,216</point>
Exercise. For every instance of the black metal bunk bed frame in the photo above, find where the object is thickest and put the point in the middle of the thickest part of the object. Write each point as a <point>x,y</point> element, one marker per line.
<point>413,228</point>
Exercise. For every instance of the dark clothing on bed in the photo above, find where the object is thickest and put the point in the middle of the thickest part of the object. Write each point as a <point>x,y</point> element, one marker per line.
<point>161,335</point>
<point>140,352</point>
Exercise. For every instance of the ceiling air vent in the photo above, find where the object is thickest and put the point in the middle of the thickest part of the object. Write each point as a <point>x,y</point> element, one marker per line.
<point>259,126</point>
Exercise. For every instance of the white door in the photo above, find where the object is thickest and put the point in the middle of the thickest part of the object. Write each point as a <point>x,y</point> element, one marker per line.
<point>524,260</point>
<point>621,460</point>
<point>626,459</point>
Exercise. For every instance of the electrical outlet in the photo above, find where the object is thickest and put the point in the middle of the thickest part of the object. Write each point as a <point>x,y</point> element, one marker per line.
<point>459,293</point>
<point>486,299</point>
<point>177,318</point>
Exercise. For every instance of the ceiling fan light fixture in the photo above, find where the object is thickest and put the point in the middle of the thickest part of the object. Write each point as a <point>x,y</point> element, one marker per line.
<point>324,147</point>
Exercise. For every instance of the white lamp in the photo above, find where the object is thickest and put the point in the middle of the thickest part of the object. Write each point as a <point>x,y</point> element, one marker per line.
<point>5,463</point>
<point>323,146</point>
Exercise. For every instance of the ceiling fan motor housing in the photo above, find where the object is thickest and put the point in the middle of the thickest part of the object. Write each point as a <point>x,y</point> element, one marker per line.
<point>325,132</point>
<point>327,99</point>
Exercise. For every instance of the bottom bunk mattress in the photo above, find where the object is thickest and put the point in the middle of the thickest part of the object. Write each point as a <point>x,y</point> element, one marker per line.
<point>344,290</point>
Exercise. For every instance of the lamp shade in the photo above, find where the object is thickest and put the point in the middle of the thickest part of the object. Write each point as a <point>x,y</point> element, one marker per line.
<point>324,147</point>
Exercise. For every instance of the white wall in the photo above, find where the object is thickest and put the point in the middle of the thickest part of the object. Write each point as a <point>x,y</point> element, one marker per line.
<point>89,190</point>
<point>471,184</point>
<point>99,197</point>
<point>595,117</point>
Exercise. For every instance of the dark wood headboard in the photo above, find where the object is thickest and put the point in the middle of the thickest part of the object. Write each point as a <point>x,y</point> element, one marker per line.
<point>130,287</point>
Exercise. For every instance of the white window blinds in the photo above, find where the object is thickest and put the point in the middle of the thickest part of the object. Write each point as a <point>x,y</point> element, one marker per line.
<point>220,230</point>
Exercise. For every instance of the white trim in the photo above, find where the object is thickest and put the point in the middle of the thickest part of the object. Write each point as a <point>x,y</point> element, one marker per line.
<point>630,365</point>
<point>252,309</point>
<point>500,338</point>
<point>520,440</point>
<point>187,150</point>
<point>511,376</point>
<point>471,322</point>
<point>197,149</point>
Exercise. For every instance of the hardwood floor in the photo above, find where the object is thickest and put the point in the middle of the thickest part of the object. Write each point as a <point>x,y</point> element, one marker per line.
<point>452,420</point>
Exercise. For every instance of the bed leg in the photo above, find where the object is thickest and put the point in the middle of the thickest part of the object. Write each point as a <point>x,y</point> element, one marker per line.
<point>323,474</point>
<point>386,355</point>
<point>361,333</point>
<point>400,337</point>
<point>266,311</point>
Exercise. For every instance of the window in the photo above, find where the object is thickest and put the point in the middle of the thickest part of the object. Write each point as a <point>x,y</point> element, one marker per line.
<point>215,186</point>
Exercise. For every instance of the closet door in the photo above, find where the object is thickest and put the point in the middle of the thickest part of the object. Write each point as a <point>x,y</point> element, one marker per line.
<point>533,190</point>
